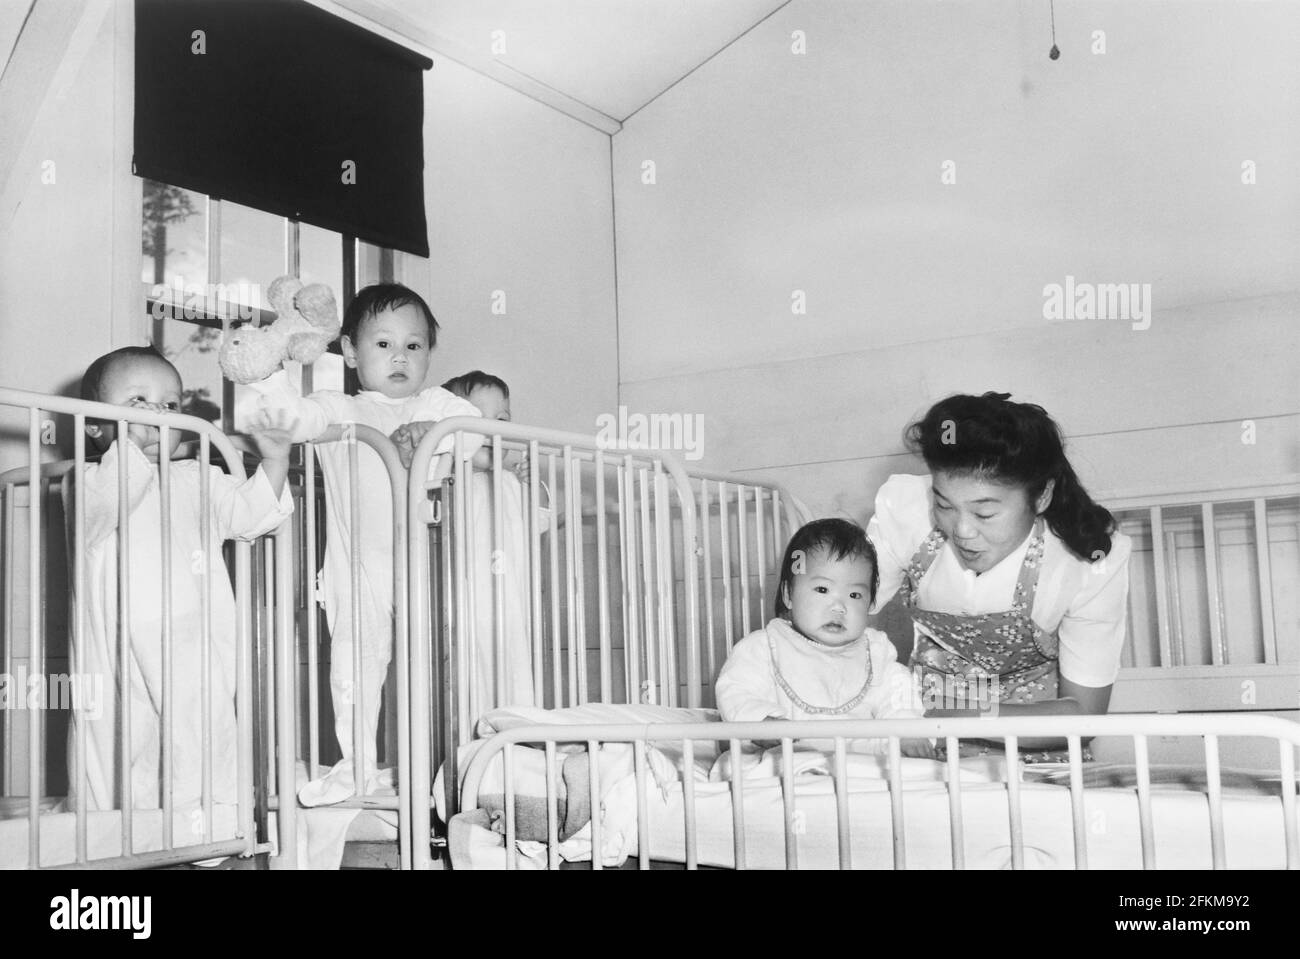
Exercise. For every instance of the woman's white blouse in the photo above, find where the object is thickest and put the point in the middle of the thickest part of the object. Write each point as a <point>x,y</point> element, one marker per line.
<point>1085,602</point>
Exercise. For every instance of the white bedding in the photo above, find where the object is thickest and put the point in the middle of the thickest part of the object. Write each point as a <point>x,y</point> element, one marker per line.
<point>58,834</point>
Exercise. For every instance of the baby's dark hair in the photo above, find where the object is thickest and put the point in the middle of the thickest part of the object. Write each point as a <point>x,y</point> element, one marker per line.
<point>991,437</point>
<point>466,383</point>
<point>839,539</point>
<point>92,381</point>
<point>384,296</point>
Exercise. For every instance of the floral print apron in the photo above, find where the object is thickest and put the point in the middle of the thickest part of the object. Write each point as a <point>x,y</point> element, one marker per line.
<point>966,661</point>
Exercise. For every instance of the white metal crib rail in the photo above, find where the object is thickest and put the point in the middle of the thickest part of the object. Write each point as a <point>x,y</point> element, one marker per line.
<point>40,430</point>
<point>743,528</point>
<point>1213,602</point>
<point>295,710</point>
<point>640,494</point>
<point>1073,729</point>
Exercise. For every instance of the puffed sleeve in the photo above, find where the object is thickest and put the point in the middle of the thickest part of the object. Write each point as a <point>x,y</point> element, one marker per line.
<point>900,524</point>
<point>1094,627</point>
<point>746,690</point>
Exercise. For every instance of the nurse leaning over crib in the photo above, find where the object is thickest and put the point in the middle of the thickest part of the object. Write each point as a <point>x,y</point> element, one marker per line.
<point>1015,580</point>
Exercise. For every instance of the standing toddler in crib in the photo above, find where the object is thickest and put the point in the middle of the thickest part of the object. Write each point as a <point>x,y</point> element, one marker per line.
<point>817,659</point>
<point>388,333</point>
<point>139,377</point>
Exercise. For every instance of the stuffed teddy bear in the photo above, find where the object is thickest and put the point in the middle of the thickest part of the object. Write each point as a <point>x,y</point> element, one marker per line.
<point>307,320</point>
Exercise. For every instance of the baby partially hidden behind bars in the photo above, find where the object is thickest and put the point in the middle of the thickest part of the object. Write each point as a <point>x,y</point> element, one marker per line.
<point>508,683</point>
<point>139,377</point>
<point>817,659</point>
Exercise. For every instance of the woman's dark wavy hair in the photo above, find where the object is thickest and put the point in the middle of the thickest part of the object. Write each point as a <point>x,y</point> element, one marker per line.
<point>991,437</point>
<point>839,539</point>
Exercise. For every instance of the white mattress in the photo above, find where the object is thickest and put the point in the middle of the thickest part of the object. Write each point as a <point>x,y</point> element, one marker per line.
<point>1252,813</point>
<point>58,834</point>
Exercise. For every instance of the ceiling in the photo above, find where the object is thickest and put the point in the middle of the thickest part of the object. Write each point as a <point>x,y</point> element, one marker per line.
<point>614,56</point>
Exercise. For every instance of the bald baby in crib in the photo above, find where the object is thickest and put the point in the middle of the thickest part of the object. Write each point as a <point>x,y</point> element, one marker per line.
<point>140,378</point>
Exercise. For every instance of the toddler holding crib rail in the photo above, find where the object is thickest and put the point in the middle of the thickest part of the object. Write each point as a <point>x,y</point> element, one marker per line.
<point>817,659</point>
<point>139,377</point>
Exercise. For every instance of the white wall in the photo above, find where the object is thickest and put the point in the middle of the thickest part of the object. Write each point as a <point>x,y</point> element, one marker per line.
<point>519,201</point>
<point>821,172</point>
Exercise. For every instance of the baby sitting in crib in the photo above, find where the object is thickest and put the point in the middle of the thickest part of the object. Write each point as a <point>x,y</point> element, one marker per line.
<point>817,659</point>
<point>388,333</point>
<point>139,377</point>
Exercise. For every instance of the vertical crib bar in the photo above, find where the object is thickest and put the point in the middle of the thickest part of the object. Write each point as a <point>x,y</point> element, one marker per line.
<point>79,628</point>
<point>168,664</point>
<point>498,572</point>
<point>602,583</point>
<point>632,609</point>
<point>759,550</point>
<point>557,586</point>
<point>1013,803</point>
<point>1217,650</point>
<point>737,803</point>
<point>1177,640</point>
<point>6,723</point>
<point>552,811</point>
<point>688,791</point>
<point>647,573</point>
<point>1162,585</point>
<point>573,514</point>
<point>36,637</point>
<point>725,541</point>
<point>579,587</point>
<point>266,620</point>
<point>710,639</point>
<point>508,770</point>
<point>360,768</point>
<point>1076,803</point>
<point>742,547</point>
<point>896,802</point>
<point>205,618</point>
<point>1286,756</point>
<point>624,577</point>
<point>1215,785</point>
<point>668,678</point>
<point>1144,802</point>
<point>787,800</point>
<point>956,830</point>
<point>458,655</point>
<point>286,706</point>
<point>597,833</point>
<point>535,566</point>
<point>469,540</point>
<point>842,804</point>
<point>1265,572</point>
<point>642,817</point>
<point>124,634</point>
<point>309,611</point>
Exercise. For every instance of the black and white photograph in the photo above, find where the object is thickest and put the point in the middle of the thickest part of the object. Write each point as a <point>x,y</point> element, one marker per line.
<point>674,435</point>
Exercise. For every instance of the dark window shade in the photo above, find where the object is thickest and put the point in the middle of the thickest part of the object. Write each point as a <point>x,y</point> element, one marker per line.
<point>284,95</point>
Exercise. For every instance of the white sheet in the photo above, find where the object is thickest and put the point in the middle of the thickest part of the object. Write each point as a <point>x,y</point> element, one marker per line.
<point>1253,826</point>
<point>58,833</point>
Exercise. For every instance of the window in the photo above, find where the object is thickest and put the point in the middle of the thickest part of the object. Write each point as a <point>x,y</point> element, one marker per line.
<point>207,262</point>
